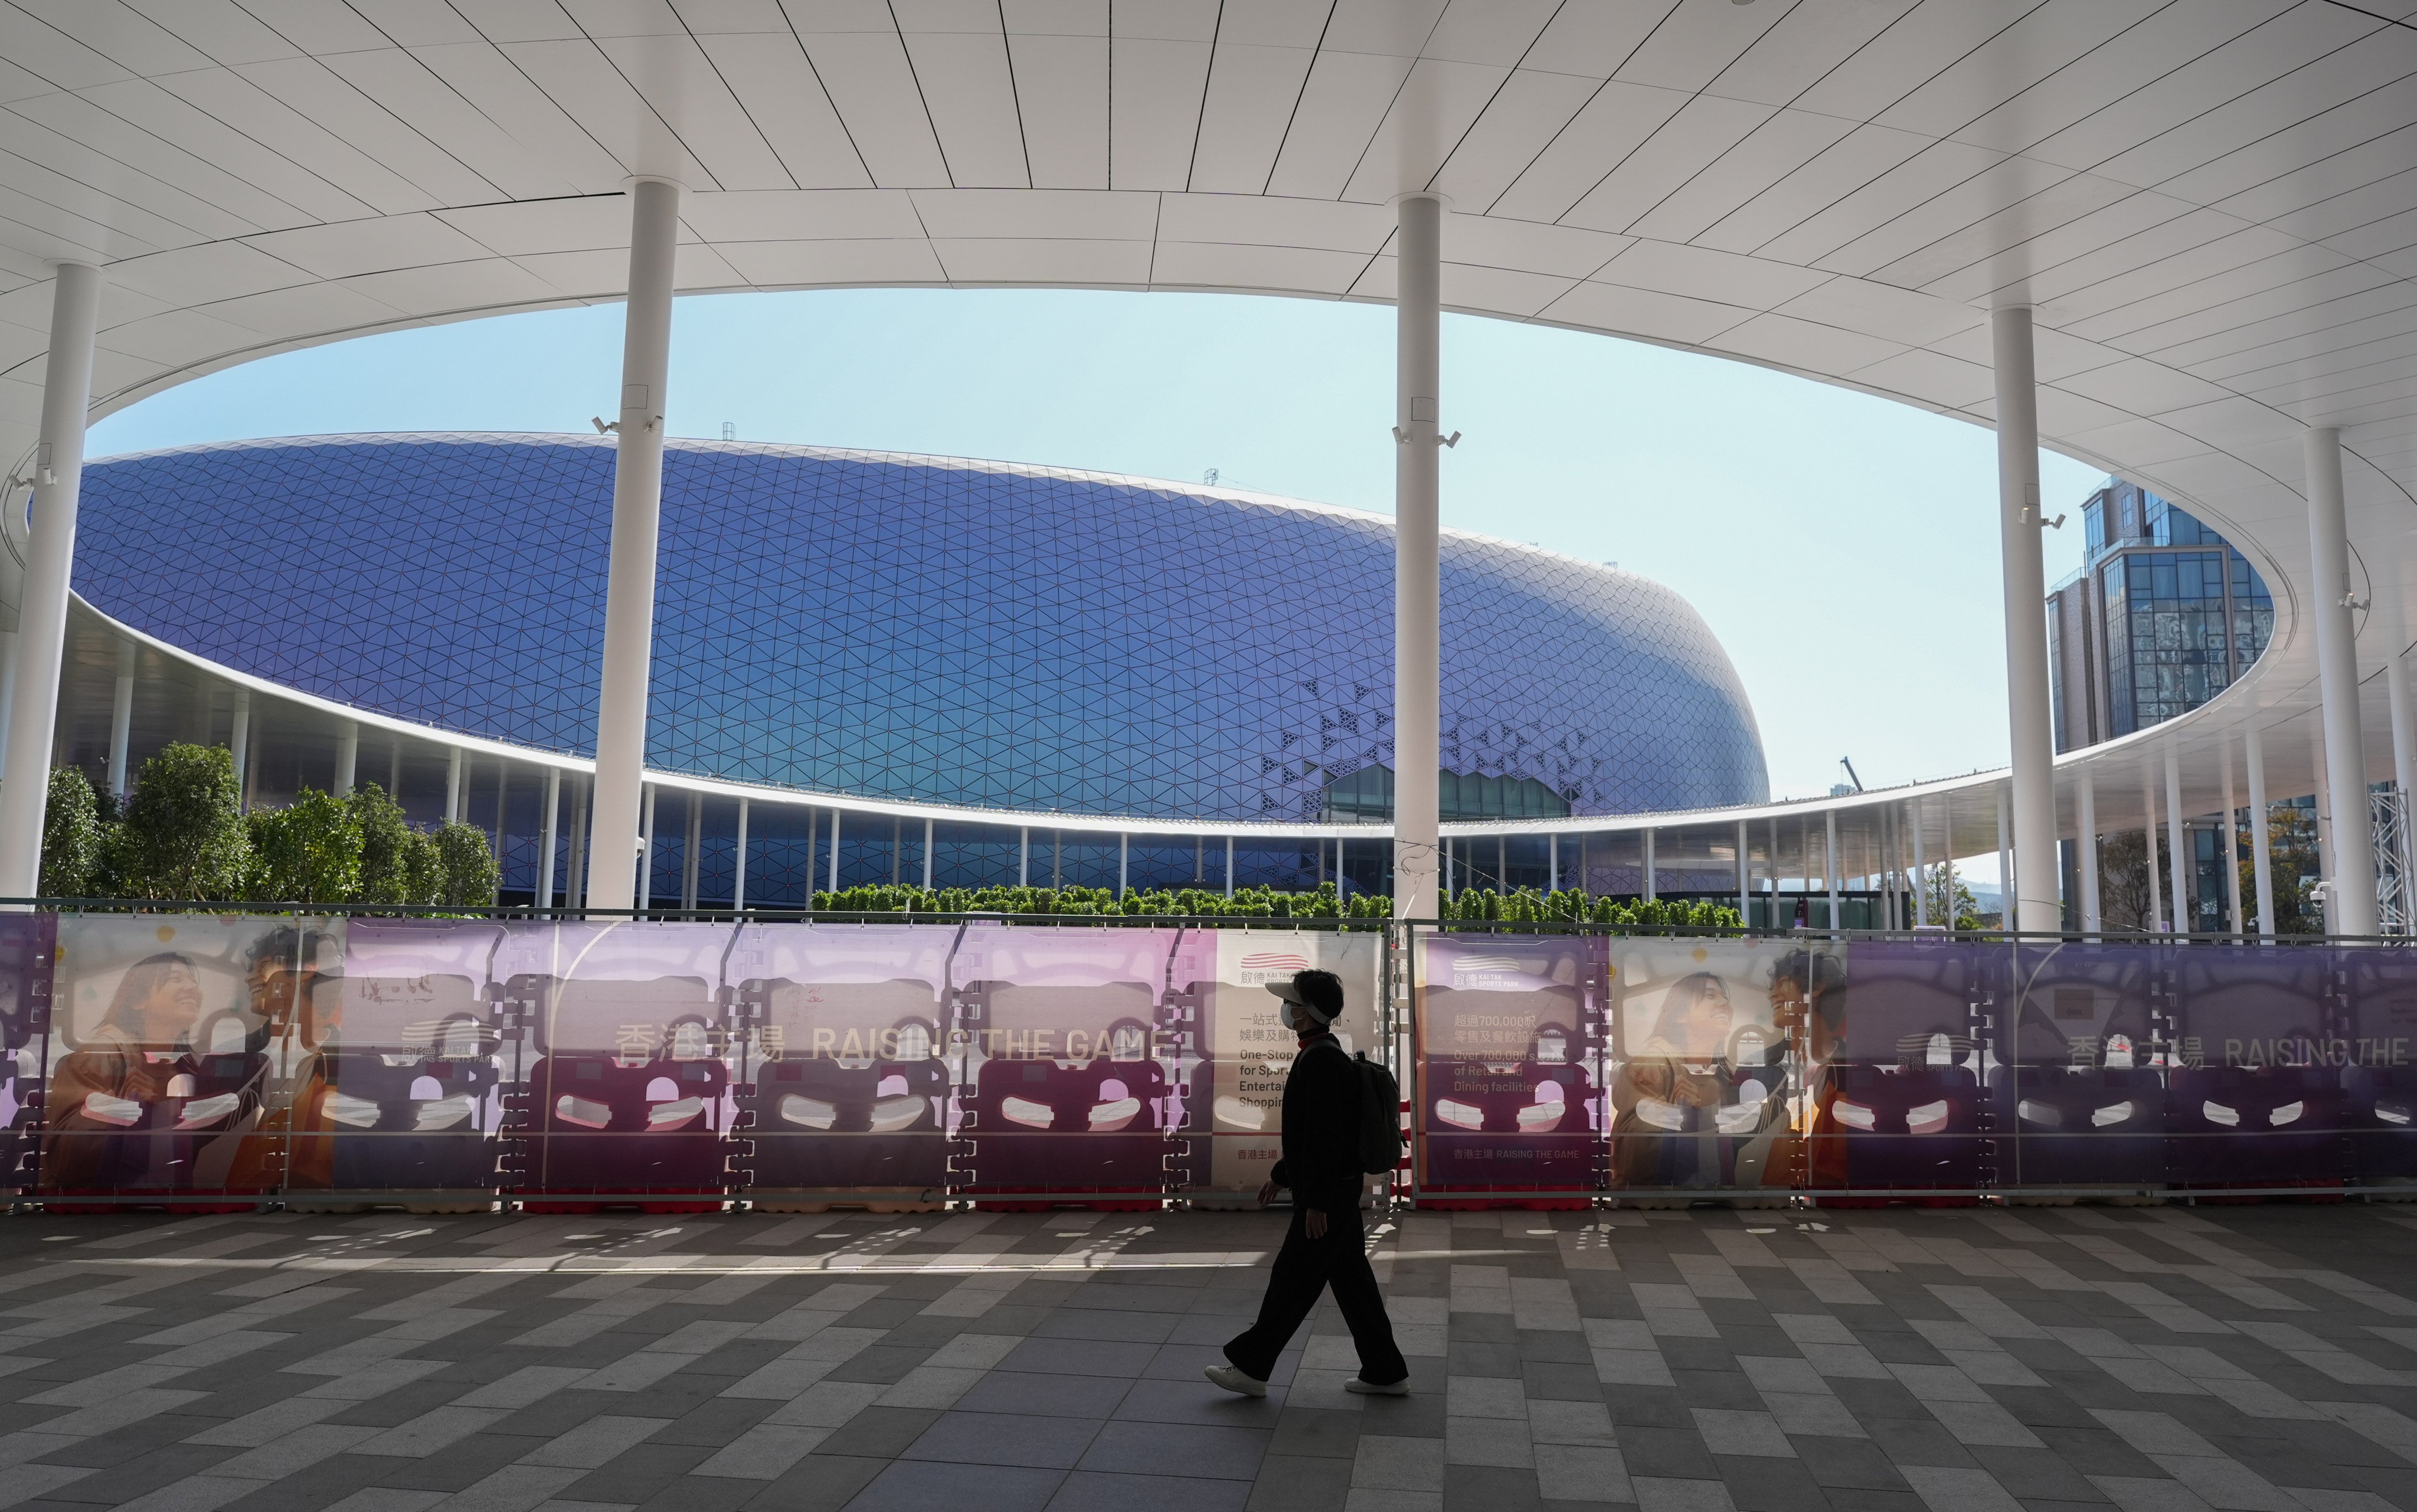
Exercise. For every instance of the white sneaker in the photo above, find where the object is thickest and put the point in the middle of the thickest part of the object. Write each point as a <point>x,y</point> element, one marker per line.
<point>1234,1380</point>
<point>1371,1389</point>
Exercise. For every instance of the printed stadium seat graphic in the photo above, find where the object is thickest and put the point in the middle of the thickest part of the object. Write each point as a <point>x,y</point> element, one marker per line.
<point>2256,1098</point>
<point>2085,1091</point>
<point>1904,1096</point>
<point>851,1091</point>
<point>1508,1100</point>
<point>405,1094</point>
<point>1061,1036</point>
<point>629,1097</point>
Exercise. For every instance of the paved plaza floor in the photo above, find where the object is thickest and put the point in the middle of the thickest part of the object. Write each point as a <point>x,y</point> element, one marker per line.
<point>1962,1360</point>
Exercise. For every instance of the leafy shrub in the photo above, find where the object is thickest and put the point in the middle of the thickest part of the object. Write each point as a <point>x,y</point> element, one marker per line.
<point>308,852</point>
<point>71,836</point>
<point>184,835</point>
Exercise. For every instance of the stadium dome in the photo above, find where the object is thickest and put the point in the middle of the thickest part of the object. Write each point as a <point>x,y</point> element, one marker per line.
<point>999,636</point>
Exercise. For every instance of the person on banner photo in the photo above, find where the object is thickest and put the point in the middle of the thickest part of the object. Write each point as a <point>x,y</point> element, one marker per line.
<point>293,1144</point>
<point>1808,1003</point>
<point>1669,1097</point>
<point>1323,1246</point>
<point>132,1110</point>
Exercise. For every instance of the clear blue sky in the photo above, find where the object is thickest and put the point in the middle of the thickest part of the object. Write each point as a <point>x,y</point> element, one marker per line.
<point>1842,548</point>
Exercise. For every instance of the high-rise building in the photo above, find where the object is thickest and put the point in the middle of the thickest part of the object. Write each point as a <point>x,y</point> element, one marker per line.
<point>2163,615</point>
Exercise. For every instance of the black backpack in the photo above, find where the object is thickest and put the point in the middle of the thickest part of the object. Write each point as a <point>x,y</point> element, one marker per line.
<point>1380,1117</point>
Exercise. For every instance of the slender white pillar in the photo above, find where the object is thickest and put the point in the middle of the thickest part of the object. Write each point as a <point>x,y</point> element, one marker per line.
<point>644,890</point>
<point>739,864</point>
<point>2029,727</point>
<point>2228,849</point>
<point>2324,811</point>
<point>546,840</point>
<point>575,892</point>
<point>1124,860</point>
<point>1921,876</point>
<point>8,690</point>
<point>240,732</point>
<point>927,856</point>
<point>2086,856</point>
<point>2008,914</point>
<point>1745,877</point>
<point>453,785</point>
<point>2404,776</point>
<point>690,843</point>
<point>1230,865</point>
<point>42,606</point>
<point>2261,856</point>
<point>348,758</point>
<point>1418,648</point>
<point>1829,864</point>
<point>2350,869</point>
<point>2148,836</point>
<point>1552,855</point>
<point>121,720</point>
<point>637,514</point>
<point>395,769</point>
<point>1024,856</point>
<point>834,853</point>
<point>1651,871</point>
<point>2178,860</point>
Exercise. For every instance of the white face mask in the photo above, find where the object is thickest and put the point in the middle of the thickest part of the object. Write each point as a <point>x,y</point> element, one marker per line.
<point>1297,1018</point>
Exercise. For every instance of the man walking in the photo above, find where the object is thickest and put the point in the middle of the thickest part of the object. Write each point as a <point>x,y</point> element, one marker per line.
<point>1323,1246</point>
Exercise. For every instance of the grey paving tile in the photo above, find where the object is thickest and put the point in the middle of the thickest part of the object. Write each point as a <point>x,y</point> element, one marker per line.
<point>1005,1439</point>
<point>1221,1452</point>
<point>922,1485</point>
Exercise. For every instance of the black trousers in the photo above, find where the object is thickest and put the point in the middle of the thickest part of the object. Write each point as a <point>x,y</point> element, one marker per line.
<point>1304,1268</point>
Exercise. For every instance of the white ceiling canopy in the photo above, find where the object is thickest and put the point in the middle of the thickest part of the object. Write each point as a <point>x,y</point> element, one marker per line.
<point>2211,204</point>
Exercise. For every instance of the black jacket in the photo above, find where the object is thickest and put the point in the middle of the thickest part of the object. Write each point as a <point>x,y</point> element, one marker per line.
<point>1321,1129</point>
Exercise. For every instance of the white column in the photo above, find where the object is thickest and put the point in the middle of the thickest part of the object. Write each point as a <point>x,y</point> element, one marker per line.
<point>546,840</point>
<point>1024,856</point>
<point>574,891</point>
<point>1922,877</point>
<point>2261,856</point>
<point>1418,668</point>
<point>2178,860</point>
<point>453,785</point>
<point>2029,728</point>
<point>2008,913</point>
<point>349,757</point>
<point>2350,867</point>
<point>42,603</point>
<point>1829,864</point>
<point>690,843</point>
<point>834,845</point>
<point>1649,868</point>
<point>1552,854</point>
<point>643,889</point>
<point>927,856</point>
<point>1745,877</point>
<point>2404,774</point>
<point>1124,858</point>
<point>637,514</point>
<point>7,687</point>
<point>1230,865</point>
<point>395,769</point>
<point>2230,848</point>
<point>739,864</point>
<point>2086,855</point>
<point>240,732</point>
<point>2149,835</point>
<point>121,720</point>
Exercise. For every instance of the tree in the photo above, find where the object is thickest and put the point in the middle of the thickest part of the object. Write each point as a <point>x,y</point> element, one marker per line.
<point>184,835</point>
<point>2291,844</point>
<point>386,839</point>
<point>467,876</point>
<point>2126,902</point>
<point>1968,908</point>
<point>308,852</point>
<point>71,836</point>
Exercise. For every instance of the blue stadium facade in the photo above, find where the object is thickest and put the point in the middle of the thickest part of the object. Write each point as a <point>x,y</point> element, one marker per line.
<point>1004,637</point>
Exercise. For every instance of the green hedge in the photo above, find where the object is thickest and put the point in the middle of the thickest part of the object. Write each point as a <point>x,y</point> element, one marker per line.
<point>1524,906</point>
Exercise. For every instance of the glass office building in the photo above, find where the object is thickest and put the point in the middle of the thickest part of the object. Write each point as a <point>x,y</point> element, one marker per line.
<point>2162,616</point>
<point>1019,639</point>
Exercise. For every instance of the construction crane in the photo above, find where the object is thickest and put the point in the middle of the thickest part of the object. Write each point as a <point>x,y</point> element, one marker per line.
<point>1850,773</point>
